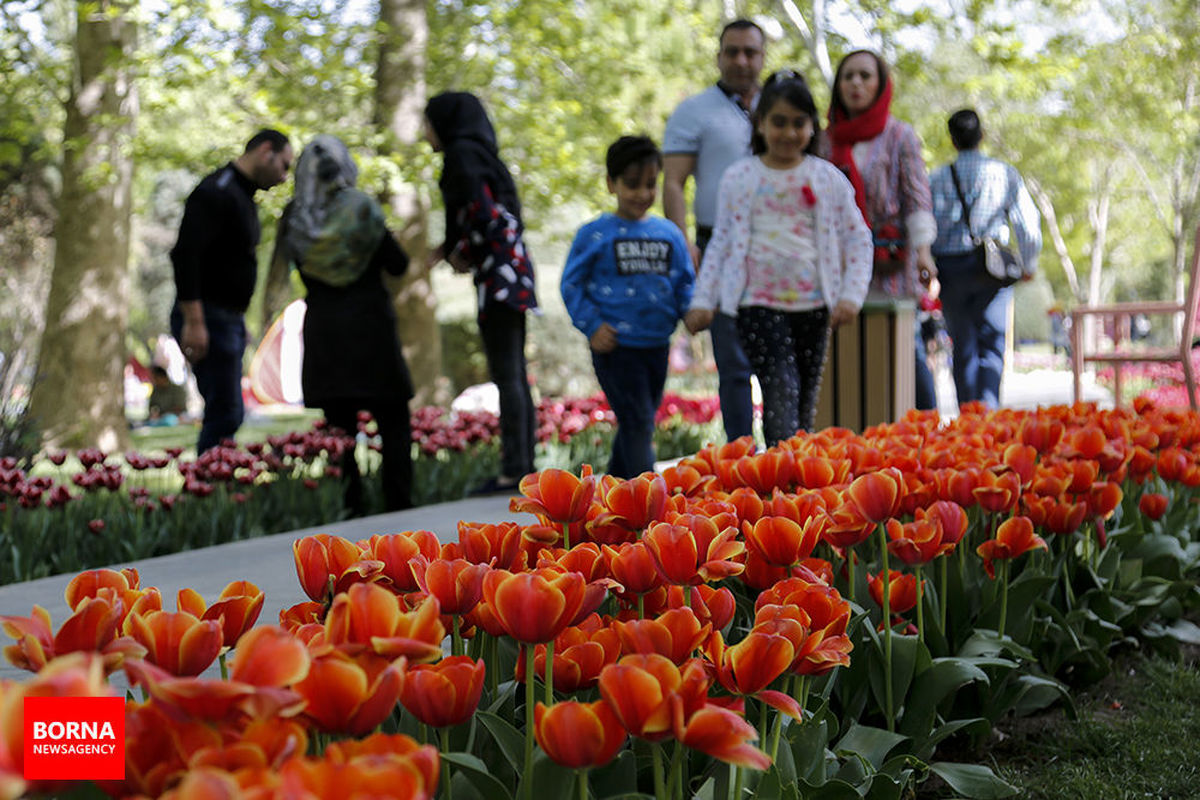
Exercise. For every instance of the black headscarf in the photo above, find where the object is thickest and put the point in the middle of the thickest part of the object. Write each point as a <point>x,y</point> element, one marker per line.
<point>471,157</point>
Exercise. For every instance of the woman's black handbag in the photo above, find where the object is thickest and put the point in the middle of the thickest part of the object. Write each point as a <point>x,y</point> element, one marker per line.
<point>996,262</point>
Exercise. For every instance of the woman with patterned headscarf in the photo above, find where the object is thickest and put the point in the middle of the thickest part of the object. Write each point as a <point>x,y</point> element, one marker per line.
<point>336,237</point>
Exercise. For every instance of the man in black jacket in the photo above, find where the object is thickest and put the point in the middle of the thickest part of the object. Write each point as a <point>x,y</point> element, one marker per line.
<point>215,271</point>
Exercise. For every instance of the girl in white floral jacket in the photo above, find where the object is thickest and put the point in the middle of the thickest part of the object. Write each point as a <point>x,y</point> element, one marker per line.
<point>790,255</point>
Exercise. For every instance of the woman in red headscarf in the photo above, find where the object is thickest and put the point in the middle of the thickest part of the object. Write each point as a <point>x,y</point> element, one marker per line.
<point>882,157</point>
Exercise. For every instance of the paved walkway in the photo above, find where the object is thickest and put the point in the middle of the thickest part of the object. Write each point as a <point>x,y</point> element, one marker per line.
<point>267,562</point>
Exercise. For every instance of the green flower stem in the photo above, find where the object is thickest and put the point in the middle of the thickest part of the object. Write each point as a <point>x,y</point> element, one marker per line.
<point>943,593</point>
<point>1003,595</point>
<point>887,630</point>
<point>224,668</point>
<point>737,783</point>
<point>456,641</point>
<point>526,784</point>
<point>660,783</point>
<point>920,606</point>
<point>447,792</point>
<point>776,731</point>
<point>567,535</point>
<point>850,571</point>
<point>550,672</point>
<point>581,781</point>
<point>675,774</point>
<point>641,606</point>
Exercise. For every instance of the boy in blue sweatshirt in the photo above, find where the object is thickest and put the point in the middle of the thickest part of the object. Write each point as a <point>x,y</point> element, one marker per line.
<point>627,282</point>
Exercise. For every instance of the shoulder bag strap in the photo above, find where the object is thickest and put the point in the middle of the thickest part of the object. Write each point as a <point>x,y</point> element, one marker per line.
<point>962,199</point>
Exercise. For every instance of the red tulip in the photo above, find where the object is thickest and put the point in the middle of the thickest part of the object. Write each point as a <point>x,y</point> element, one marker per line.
<point>676,633</point>
<point>555,495</point>
<point>1153,505</point>
<point>1014,537</point>
<point>498,545</point>
<point>633,503</point>
<point>917,542</point>
<point>457,584</point>
<point>237,608</point>
<point>877,495</point>
<point>344,696</point>
<point>902,594</point>
<point>370,619</point>
<point>179,643</point>
<point>694,551</point>
<point>328,564</point>
<point>579,735</point>
<point>647,692</point>
<point>397,550</point>
<point>534,607</point>
<point>443,694</point>
<point>782,541</point>
<point>581,652</point>
<point>722,734</point>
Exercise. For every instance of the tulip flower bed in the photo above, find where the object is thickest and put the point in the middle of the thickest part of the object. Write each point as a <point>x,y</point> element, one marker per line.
<point>57,520</point>
<point>813,621</point>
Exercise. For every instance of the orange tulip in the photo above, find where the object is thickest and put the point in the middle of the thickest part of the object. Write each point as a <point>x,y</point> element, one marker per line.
<point>902,594</point>
<point>1021,459</point>
<point>369,775</point>
<point>847,527</point>
<point>722,734</point>
<point>113,585</point>
<point>676,633</point>
<point>950,517</point>
<point>768,471</point>
<point>633,503</point>
<point>877,495</point>
<point>579,735</point>
<point>750,666</point>
<point>534,607</point>
<point>92,628</point>
<point>179,643</point>
<point>369,618</point>
<point>1054,516</point>
<point>1103,499</point>
<point>997,493</point>
<point>710,604</point>
<point>1014,537</point>
<point>344,696</point>
<point>443,694</point>
<point>237,608</point>
<point>457,584</point>
<point>1153,505</point>
<point>580,653</point>
<point>647,692</point>
<point>555,495</point>
<point>685,479</point>
<point>328,564</point>
<point>483,542</point>
<point>782,541</point>
<point>632,566</point>
<point>396,551</point>
<point>917,542</point>
<point>815,472</point>
<point>1041,432</point>
<point>693,551</point>
<point>824,644</point>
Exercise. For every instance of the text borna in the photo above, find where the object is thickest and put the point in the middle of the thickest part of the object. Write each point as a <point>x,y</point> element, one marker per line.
<point>78,731</point>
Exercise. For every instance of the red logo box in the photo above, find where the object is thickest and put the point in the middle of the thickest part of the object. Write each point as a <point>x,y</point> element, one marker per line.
<point>74,738</point>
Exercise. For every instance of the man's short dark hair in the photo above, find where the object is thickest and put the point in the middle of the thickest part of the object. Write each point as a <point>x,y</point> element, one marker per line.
<point>277,140</point>
<point>741,25</point>
<point>629,151</point>
<point>965,130</point>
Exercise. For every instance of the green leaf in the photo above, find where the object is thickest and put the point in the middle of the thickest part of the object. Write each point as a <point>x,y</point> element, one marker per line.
<point>831,790</point>
<point>931,687</point>
<point>972,780</point>
<point>872,744</point>
<point>1185,632</point>
<point>477,772</point>
<point>548,778</point>
<point>616,778</point>
<point>510,740</point>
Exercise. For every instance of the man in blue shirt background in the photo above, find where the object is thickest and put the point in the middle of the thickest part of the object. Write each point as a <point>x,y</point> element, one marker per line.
<point>975,307</point>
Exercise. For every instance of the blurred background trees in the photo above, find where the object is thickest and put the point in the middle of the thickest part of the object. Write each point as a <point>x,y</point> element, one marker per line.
<point>1094,100</point>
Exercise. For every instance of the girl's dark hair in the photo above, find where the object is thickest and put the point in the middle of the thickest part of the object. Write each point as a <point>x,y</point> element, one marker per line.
<point>790,86</point>
<point>630,151</point>
<point>880,66</point>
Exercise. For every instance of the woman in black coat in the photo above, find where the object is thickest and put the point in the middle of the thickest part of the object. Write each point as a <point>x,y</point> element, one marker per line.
<point>335,235</point>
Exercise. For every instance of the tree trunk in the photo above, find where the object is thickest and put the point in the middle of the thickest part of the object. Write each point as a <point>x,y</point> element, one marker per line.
<point>1046,205</point>
<point>78,396</point>
<point>399,108</point>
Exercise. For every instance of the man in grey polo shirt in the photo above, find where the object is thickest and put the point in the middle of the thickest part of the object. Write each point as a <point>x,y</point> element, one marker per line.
<point>705,134</point>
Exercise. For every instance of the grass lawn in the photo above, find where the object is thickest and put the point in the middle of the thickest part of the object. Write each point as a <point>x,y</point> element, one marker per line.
<point>255,429</point>
<point>1137,736</point>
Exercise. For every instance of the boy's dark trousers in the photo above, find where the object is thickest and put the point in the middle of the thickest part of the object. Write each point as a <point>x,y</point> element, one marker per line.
<point>219,373</point>
<point>632,379</point>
